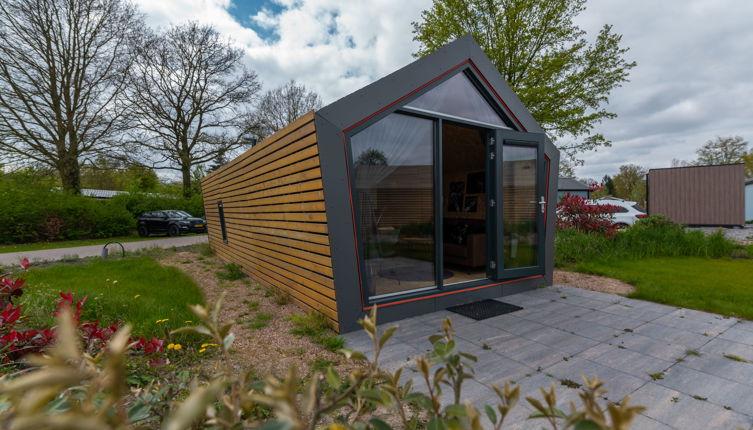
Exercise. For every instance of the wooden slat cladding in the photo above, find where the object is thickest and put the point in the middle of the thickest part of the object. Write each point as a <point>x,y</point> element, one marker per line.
<point>275,218</point>
<point>699,195</point>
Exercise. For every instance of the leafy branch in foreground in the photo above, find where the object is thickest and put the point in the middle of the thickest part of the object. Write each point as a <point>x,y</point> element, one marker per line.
<point>70,388</point>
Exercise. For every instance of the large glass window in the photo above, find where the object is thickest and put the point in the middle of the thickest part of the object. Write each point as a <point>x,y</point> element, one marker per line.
<point>394,181</point>
<point>520,208</point>
<point>458,97</point>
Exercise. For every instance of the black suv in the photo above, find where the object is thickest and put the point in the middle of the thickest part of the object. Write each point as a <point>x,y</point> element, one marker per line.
<point>174,223</point>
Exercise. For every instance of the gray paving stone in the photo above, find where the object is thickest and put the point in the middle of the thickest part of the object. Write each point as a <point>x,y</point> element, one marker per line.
<point>649,346</point>
<point>513,324</point>
<point>492,368</point>
<point>482,334</point>
<point>558,336</point>
<point>720,391</point>
<point>681,411</point>
<point>589,330</point>
<point>717,364</point>
<point>678,336</point>
<point>562,341</point>
<point>723,346</point>
<point>618,384</point>
<point>643,422</point>
<point>738,335</point>
<point>634,363</point>
<point>534,354</point>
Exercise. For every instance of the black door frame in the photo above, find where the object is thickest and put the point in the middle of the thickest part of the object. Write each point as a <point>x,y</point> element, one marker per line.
<point>530,140</point>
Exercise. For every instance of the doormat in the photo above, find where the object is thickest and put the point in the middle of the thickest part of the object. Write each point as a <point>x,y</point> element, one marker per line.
<point>484,309</point>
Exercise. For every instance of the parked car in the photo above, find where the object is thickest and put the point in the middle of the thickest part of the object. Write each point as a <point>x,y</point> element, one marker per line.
<point>627,212</point>
<point>170,222</point>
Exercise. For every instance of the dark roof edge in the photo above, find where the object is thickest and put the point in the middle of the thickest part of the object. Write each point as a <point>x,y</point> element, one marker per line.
<point>387,91</point>
<point>690,167</point>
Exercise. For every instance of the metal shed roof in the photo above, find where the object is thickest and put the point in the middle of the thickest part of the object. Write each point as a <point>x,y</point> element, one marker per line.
<point>100,194</point>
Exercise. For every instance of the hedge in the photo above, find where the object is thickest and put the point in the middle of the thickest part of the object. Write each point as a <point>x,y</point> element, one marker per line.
<point>31,213</point>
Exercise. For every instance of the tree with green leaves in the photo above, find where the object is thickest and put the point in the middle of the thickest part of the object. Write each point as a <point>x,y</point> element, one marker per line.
<point>723,150</point>
<point>630,183</point>
<point>563,79</point>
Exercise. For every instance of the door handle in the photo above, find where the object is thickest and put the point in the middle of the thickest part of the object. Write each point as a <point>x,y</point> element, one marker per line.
<point>542,203</point>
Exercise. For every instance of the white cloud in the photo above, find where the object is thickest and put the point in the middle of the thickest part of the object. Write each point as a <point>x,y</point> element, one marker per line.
<point>692,81</point>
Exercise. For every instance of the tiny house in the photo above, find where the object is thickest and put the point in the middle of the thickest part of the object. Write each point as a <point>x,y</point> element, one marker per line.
<point>698,195</point>
<point>429,188</point>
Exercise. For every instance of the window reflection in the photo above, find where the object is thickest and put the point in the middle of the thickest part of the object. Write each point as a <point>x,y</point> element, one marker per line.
<point>394,178</point>
<point>520,206</point>
<point>458,97</point>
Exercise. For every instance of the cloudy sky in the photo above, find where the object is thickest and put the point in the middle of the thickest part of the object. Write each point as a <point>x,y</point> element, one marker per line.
<point>694,78</point>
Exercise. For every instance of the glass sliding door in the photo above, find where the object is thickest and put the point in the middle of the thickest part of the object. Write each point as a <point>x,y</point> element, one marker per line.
<point>393,162</point>
<point>520,173</point>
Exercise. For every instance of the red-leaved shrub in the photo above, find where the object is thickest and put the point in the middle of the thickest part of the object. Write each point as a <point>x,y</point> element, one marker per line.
<point>574,212</point>
<point>15,343</point>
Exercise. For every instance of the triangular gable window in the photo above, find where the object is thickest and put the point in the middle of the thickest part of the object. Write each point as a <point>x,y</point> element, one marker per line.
<point>458,97</point>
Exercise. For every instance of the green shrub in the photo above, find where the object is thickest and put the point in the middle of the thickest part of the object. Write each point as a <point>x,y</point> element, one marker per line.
<point>138,203</point>
<point>231,272</point>
<point>34,213</point>
<point>655,236</point>
<point>314,325</point>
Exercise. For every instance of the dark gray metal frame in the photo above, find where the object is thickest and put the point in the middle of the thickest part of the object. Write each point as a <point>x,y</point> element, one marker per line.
<point>336,122</point>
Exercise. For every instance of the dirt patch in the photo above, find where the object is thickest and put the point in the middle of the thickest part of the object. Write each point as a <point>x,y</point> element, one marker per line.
<point>592,282</point>
<point>271,349</point>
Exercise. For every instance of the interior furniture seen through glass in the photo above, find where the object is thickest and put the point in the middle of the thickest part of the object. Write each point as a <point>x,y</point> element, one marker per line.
<point>464,199</point>
<point>520,206</point>
<point>394,181</point>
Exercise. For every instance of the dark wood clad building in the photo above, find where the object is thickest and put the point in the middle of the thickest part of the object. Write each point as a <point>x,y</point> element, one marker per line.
<point>698,195</point>
<point>426,189</point>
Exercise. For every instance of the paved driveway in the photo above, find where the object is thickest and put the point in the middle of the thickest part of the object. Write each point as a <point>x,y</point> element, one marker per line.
<point>564,332</point>
<point>13,258</point>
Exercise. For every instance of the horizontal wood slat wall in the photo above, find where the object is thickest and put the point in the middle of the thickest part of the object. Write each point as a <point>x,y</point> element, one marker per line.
<point>703,195</point>
<point>275,218</point>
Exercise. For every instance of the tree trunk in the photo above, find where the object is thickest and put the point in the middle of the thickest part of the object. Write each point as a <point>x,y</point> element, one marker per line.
<point>70,175</point>
<point>186,171</point>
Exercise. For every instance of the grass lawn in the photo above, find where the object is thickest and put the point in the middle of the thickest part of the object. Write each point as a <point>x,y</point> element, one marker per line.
<point>163,292</point>
<point>724,285</point>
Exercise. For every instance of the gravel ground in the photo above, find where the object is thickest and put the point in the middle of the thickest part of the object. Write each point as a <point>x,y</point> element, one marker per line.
<point>267,350</point>
<point>742,235</point>
<point>592,283</point>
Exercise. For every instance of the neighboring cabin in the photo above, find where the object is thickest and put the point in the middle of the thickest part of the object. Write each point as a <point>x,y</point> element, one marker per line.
<point>749,200</point>
<point>427,189</point>
<point>698,195</point>
<point>572,186</point>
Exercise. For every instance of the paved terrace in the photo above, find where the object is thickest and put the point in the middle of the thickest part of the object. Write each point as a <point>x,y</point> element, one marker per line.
<point>564,332</point>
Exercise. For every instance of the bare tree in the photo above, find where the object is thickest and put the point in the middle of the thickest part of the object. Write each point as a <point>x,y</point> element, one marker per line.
<point>189,93</point>
<point>281,106</point>
<point>62,68</point>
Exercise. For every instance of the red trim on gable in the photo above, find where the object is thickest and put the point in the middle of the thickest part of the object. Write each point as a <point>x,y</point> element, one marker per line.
<point>507,108</point>
<point>404,97</point>
<point>546,205</point>
<point>350,191</point>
